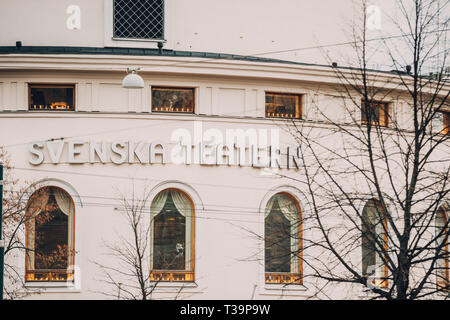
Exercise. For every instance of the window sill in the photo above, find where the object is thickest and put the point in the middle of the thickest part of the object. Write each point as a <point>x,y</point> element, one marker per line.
<point>51,110</point>
<point>172,112</point>
<point>282,118</point>
<point>283,290</point>
<point>285,287</point>
<point>367,293</point>
<point>139,40</point>
<point>51,287</point>
<point>375,124</point>
<point>178,284</point>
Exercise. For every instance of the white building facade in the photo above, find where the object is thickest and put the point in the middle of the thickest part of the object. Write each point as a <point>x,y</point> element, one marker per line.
<point>203,142</point>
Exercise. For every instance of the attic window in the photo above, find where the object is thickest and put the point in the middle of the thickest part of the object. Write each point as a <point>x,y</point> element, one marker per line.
<point>140,19</point>
<point>179,100</point>
<point>375,112</point>
<point>56,97</point>
<point>283,105</point>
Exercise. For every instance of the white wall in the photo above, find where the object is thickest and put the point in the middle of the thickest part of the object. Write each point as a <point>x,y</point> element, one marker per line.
<point>229,261</point>
<point>251,27</point>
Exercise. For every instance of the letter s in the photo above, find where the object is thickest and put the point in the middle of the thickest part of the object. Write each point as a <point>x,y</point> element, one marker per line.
<point>117,148</point>
<point>33,148</point>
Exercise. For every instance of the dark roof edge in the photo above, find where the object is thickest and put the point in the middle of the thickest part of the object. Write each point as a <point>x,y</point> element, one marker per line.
<point>166,53</point>
<point>152,52</point>
<point>134,52</point>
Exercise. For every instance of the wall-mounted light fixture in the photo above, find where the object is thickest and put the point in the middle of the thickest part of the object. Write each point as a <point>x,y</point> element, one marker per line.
<point>132,79</point>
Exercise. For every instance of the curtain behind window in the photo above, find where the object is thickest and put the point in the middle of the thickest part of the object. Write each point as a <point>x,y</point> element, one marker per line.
<point>65,204</point>
<point>277,234</point>
<point>183,205</point>
<point>373,228</point>
<point>164,220</point>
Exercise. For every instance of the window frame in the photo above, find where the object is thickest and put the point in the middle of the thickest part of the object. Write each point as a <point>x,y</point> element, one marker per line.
<point>444,284</point>
<point>163,35</point>
<point>71,258</point>
<point>382,282</point>
<point>287,278</point>
<point>52,85</point>
<point>170,276</point>
<point>299,105</point>
<point>385,111</point>
<point>110,41</point>
<point>193,89</point>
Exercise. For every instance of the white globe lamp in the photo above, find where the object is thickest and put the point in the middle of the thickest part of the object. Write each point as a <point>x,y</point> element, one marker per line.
<point>132,80</point>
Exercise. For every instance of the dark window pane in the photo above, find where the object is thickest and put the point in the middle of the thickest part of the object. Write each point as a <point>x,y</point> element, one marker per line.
<point>51,236</point>
<point>373,235</point>
<point>47,232</point>
<point>283,106</point>
<point>139,19</point>
<point>169,238</point>
<point>52,97</point>
<point>277,241</point>
<point>446,122</point>
<point>172,100</point>
<point>368,248</point>
<point>375,112</point>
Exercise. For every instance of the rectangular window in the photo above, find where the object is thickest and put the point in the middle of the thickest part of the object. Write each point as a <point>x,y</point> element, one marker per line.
<point>376,112</point>
<point>283,105</point>
<point>57,97</point>
<point>179,100</point>
<point>142,19</point>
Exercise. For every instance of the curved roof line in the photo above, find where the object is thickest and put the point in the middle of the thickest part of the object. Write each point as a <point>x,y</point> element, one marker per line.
<point>167,53</point>
<point>149,52</point>
<point>134,52</point>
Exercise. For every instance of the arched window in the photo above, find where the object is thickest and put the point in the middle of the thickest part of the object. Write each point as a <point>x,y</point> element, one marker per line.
<point>50,235</point>
<point>374,243</point>
<point>442,263</point>
<point>282,239</point>
<point>172,236</point>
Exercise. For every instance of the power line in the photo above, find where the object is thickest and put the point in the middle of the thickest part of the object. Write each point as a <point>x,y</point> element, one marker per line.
<point>250,214</point>
<point>348,42</point>
<point>137,178</point>
<point>120,204</point>
<point>29,193</point>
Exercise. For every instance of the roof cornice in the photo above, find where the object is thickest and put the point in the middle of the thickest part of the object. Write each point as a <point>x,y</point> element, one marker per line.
<point>181,62</point>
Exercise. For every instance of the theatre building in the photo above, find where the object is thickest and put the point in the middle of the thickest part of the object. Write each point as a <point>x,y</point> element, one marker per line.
<point>201,150</point>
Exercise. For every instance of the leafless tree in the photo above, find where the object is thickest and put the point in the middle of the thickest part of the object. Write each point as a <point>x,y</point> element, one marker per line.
<point>377,165</point>
<point>129,273</point>
<point>15,199</point>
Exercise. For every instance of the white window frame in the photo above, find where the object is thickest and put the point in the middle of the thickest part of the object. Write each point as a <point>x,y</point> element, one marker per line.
<point>278,289</point>
<point>198,210</point>
<point>446,208</point>
<point>110,41</point>
<point>305,102</point>
<point>364,291</point>
<point>64,286</point>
